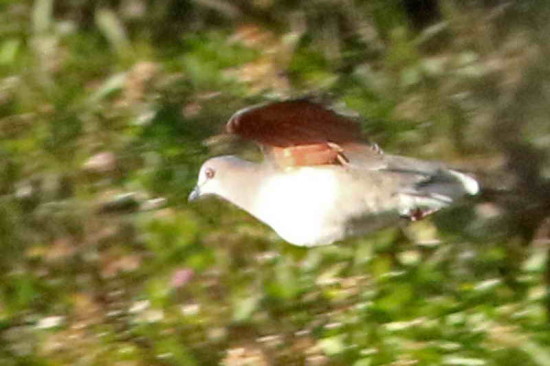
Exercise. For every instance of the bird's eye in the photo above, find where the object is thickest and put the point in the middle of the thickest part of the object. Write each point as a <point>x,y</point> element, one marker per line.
<point>209,172</point>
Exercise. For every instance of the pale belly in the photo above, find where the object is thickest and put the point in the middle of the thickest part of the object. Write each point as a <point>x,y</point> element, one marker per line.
<point>320,206</point>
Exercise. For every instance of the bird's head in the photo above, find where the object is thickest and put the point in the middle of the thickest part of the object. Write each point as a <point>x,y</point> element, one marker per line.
<point>214,174</point>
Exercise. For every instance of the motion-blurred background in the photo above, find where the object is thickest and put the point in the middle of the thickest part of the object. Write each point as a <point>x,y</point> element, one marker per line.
<point>107,109</point>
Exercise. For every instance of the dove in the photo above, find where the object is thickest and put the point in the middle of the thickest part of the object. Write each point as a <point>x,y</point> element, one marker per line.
<point>320,182</point>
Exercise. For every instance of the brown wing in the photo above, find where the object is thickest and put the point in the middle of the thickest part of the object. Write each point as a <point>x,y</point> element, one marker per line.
<point>297,132</point>
<point>292,123</point>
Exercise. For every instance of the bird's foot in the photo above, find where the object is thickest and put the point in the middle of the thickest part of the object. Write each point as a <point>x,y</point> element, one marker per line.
<point>340,157</point>
<point>416,214</point>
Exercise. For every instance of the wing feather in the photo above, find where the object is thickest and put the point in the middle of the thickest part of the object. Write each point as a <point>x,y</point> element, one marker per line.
<point>293,122</point>
<point>298,132</point>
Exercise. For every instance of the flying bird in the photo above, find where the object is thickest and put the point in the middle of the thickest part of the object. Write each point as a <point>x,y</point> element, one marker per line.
<point>320,182</point>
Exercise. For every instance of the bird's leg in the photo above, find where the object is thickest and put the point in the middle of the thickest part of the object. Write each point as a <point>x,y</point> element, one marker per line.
<point>416,214</point>
<point>340,157</point>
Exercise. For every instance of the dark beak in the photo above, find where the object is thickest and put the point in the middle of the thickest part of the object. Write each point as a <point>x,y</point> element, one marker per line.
<point>195,194</point>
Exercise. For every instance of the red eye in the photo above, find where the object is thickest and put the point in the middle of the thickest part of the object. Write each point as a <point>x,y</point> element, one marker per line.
<point>209,172</point>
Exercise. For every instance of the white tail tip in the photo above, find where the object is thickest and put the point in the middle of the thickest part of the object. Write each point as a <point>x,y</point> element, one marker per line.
<point>471,186</point>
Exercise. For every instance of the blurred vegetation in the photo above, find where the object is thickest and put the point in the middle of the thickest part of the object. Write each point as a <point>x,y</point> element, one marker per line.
<point>108,108</point>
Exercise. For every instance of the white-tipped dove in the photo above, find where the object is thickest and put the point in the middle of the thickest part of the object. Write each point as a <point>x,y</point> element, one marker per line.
<point>319,183</point>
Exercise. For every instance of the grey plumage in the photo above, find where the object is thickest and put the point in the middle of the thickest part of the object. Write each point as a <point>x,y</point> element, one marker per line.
<point>320,183</point>
<point>311,206</point>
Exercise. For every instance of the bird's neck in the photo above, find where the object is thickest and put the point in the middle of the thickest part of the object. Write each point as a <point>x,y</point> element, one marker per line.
<point>242,184</point>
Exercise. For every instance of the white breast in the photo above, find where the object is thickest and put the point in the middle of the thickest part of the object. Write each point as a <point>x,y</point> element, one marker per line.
<point>310,206</point>
<point>298,204</point>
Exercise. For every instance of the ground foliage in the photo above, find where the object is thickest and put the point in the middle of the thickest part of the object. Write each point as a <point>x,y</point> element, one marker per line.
<point>107,109</point>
